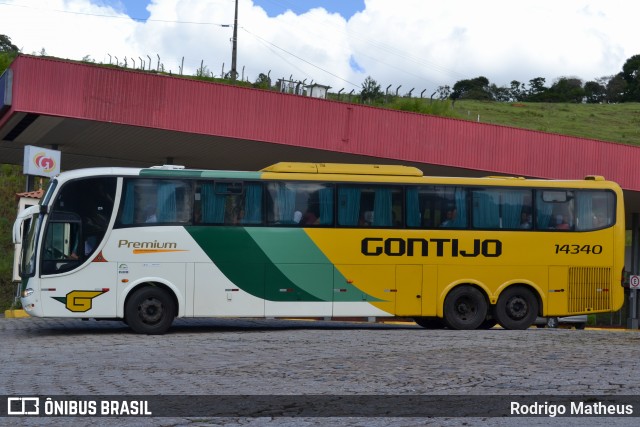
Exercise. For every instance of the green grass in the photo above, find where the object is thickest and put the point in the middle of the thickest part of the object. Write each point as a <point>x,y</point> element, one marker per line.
<point>606,122</point>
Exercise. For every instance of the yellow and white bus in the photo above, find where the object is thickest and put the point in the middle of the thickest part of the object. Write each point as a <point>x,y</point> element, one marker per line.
<point>320,240</point>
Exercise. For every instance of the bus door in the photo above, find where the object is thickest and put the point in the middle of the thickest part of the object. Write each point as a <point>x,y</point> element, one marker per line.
<point>408,290</point>
<point>75,280</point>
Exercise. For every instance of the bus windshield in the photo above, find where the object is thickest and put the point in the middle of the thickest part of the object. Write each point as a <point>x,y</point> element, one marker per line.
<point>31,225</point>
<point>78,220</point>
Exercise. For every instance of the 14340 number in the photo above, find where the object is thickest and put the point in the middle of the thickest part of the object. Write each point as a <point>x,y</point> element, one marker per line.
<point>579,249</point>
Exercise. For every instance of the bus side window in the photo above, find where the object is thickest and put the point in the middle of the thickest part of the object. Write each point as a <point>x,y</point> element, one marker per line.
<point>305,204</point>
<point>595,209</point>
<point>436,206</point>
<point>228,203</point>
<point>149,201</point>
<point>555,210</point>
<point>369,206</point>
<point>501,208</point>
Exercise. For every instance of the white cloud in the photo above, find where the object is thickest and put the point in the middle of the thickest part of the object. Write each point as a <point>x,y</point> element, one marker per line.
<point>413,43</point>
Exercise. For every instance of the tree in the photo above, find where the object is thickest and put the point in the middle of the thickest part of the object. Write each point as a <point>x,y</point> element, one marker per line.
<point>517,91</point>
<point>371,91</point>
<point>616,88</point>
<point>565,89</point>
<point>536,88</point>
<point>595,92</point>
<point>631,75</point>
<point>443,92</point>
<point>8,51</point>
<point>477,88</point>
<point>263,81</point>
<point>6,45</point>
<point>501,94</point>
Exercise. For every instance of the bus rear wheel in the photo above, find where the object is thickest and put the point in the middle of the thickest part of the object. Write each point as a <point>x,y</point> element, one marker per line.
<point>465,308</point>
<point>150,311</point>
<point>517,308</point>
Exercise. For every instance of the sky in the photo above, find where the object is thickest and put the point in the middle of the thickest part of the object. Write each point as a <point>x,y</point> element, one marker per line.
<point>404,45</point>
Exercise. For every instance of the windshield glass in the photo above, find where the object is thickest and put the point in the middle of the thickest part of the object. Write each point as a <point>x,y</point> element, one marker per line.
<point>27,263</point>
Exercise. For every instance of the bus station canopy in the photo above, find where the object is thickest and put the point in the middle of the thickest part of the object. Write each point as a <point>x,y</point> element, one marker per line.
<point>105,116</point>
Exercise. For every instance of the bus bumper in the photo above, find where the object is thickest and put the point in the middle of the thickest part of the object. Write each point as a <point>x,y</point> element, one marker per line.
<point>31,304</point>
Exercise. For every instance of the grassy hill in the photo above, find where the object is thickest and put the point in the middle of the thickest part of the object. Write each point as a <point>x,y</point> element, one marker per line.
<point>606,122</point>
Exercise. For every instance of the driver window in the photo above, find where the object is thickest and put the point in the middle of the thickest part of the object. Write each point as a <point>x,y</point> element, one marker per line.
<point>63,248</point>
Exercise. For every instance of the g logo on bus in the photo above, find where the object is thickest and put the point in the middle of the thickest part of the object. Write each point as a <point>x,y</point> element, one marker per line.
<point>80,301</point>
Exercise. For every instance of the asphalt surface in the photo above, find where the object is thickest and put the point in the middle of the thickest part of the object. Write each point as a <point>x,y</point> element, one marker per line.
<point>54,357</point>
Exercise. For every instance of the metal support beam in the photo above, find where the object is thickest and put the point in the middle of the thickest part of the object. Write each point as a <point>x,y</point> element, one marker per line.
<point>634,306</point>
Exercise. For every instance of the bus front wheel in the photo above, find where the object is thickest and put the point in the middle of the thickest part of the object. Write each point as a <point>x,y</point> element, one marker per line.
<point>465,308</point>
<point>517,308</point>
<point>150,311</point>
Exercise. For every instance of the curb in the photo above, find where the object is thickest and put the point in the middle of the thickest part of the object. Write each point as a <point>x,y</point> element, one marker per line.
<point>15,314</point>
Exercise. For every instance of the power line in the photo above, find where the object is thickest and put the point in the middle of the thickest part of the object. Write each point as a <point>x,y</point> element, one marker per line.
<point>383,47</point>
<point>373,44</point>
<point>299,58</point>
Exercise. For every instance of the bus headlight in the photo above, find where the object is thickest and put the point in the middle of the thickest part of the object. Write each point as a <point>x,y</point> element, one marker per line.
<point>27,292</point>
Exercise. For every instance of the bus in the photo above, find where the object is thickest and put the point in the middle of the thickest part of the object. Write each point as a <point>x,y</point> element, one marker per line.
<point>320,240</point>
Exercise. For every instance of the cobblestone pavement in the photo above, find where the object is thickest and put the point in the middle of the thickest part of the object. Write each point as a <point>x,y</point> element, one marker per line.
<point>294,357</point>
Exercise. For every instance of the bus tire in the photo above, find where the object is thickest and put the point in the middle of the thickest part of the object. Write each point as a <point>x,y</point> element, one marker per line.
<point>465,308</point>
<point>150,311</point>
<point>430,322</point>
<point>517,308</point>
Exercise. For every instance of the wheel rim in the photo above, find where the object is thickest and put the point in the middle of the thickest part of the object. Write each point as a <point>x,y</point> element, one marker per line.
<point>465,309</point>
<point>517,308</point>
<point>150,311</point>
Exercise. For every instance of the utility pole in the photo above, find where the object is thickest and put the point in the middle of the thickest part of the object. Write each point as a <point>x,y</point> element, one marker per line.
<point>234,50</point>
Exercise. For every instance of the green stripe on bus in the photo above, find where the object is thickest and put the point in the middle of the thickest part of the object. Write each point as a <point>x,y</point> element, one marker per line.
<point>277,264</point>
<point>245,263</point>
<point>297,256</point>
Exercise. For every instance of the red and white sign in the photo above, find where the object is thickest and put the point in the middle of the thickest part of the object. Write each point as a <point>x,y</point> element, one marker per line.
<point>634,282</point>
<point>41,161</point>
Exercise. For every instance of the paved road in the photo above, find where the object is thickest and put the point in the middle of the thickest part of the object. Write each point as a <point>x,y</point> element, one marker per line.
<point>278,357</point>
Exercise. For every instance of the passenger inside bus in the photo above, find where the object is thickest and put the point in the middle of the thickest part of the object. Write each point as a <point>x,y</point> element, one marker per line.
<point>525,220</point>
<point>561,222</point>
<point>310,218</point>
<point>450,218</point>
<point>239,215</point>
<point>366,219</point>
